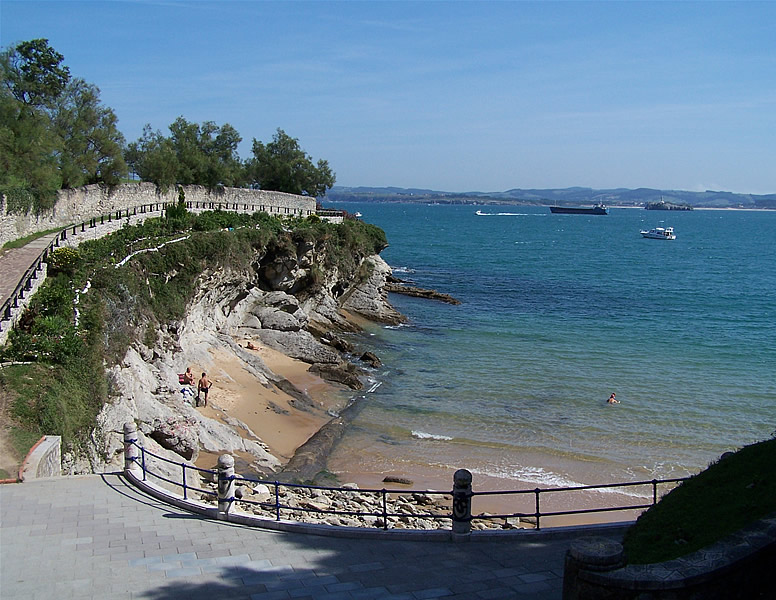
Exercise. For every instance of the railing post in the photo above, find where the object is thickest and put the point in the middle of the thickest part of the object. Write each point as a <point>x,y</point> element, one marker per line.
<point>385,510</point>
<point>462,503</point>
<point>225,484</point>
<point>277,501</point>
<point>654,491</point>
<point>131,450</point>
<point>185,494</point>
<point>538,513</point>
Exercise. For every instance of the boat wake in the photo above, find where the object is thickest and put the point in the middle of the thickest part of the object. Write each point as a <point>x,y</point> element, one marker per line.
<point>479,213</point>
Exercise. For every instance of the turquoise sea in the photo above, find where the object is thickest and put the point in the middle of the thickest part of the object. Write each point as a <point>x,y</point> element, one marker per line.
<point>557,312</point>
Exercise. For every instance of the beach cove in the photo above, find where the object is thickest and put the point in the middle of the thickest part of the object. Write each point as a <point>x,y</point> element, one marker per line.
<point>503,386</point>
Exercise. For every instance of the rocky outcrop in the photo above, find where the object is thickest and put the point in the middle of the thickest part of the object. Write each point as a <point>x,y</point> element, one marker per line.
<point>228,304</point>
<point>369,297</point>
<point>398,286</point>
<point>310,458</point>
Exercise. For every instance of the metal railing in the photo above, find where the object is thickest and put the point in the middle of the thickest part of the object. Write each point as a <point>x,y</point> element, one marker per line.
<point>30,275</point>
<point>460,496</point>
<point>538,514</point>
<point>250,208</point>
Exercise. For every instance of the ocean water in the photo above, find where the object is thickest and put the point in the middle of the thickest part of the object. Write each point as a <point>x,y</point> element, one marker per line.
<point>559,311</point>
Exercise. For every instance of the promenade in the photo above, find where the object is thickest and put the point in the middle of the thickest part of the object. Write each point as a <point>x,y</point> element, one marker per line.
<point>98,537</point>
<point>15,262</point>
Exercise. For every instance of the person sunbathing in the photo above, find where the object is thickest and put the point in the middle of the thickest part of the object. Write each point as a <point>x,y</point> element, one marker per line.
<point>188,377</point>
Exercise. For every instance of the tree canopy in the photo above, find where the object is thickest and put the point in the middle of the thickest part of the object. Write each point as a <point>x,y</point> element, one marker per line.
<point>33,72</point>
<point>54,131</point>
<point>193,154</point>
<point>282,166</point>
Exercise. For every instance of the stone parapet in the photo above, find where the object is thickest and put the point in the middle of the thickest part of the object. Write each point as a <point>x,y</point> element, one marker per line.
<point>92,201</point>
<point>44,460</point>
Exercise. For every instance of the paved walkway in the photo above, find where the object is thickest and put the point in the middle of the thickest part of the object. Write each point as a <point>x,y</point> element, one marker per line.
<point>97,536</point>
<point>15,262</point>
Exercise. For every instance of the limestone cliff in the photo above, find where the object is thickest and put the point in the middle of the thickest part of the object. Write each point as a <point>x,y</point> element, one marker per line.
<point>272,301</point>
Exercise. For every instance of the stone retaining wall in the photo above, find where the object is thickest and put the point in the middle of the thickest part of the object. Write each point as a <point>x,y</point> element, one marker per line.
<point>82,204</point>
<point>44,460</point>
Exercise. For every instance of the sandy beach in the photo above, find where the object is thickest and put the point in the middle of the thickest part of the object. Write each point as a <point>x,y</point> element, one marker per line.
<point>268,412</point>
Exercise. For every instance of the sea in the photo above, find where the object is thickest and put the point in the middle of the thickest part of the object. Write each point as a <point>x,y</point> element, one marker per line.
<point>557,312</point>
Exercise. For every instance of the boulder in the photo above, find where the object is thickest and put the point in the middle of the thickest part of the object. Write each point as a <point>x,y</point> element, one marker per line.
<point>298,344</point>
<point>272,318</point>
<point>178,434</point>
<point>343,372</point>
<point>371,359</point>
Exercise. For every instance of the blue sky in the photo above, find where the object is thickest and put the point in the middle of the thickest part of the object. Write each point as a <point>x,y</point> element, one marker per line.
<point>456,96</point>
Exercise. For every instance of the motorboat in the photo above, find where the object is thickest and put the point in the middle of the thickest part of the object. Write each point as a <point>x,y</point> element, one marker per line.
<point>659,233</point>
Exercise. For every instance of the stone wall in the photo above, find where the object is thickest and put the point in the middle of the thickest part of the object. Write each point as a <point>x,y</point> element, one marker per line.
<point>79,205</point>
<point>737,567</point>
<point>44,460</point>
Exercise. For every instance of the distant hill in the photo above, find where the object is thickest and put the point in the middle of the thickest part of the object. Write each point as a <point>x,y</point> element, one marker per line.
<point>565,196</point>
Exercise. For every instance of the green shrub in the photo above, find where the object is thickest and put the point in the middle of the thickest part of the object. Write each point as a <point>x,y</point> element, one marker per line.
<point>63,260</point>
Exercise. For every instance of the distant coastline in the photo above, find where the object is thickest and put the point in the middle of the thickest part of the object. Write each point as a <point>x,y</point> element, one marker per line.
<point>616,198</point>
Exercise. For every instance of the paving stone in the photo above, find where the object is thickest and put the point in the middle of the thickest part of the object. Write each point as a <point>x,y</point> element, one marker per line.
<point>136,550</point>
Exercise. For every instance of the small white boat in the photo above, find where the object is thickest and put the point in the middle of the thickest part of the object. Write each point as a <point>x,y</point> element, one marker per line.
<point>659,233</point>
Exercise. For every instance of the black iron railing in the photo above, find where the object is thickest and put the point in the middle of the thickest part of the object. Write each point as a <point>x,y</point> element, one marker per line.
<point>276,508</point>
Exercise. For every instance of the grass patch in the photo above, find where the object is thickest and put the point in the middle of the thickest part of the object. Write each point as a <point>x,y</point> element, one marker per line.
<point>23,441</point>
<point>732,493</point>
<point>30,238</point>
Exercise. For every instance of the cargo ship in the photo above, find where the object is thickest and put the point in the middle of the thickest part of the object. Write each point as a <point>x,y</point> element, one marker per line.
<point>598,209</point>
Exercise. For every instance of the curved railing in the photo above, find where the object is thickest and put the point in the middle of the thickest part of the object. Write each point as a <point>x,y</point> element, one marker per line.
<point>28,280</point>
<point>275,509</point>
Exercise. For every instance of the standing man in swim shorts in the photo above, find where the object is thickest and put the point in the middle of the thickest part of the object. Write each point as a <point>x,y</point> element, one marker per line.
<point>204,385</point>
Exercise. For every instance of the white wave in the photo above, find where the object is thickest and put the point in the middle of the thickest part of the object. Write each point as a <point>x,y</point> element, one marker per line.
<point>535,475</point>
<point>374,387</point>
<point>422,435</point>
<point>402,269</point>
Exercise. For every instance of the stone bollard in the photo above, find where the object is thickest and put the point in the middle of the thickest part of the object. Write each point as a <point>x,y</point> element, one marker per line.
<point>593,553</point>
<point>462,503</point>
<point>131,451</point>
<point>225,483</point>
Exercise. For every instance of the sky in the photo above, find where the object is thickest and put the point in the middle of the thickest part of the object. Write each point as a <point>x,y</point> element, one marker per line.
<point>452,96</point>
